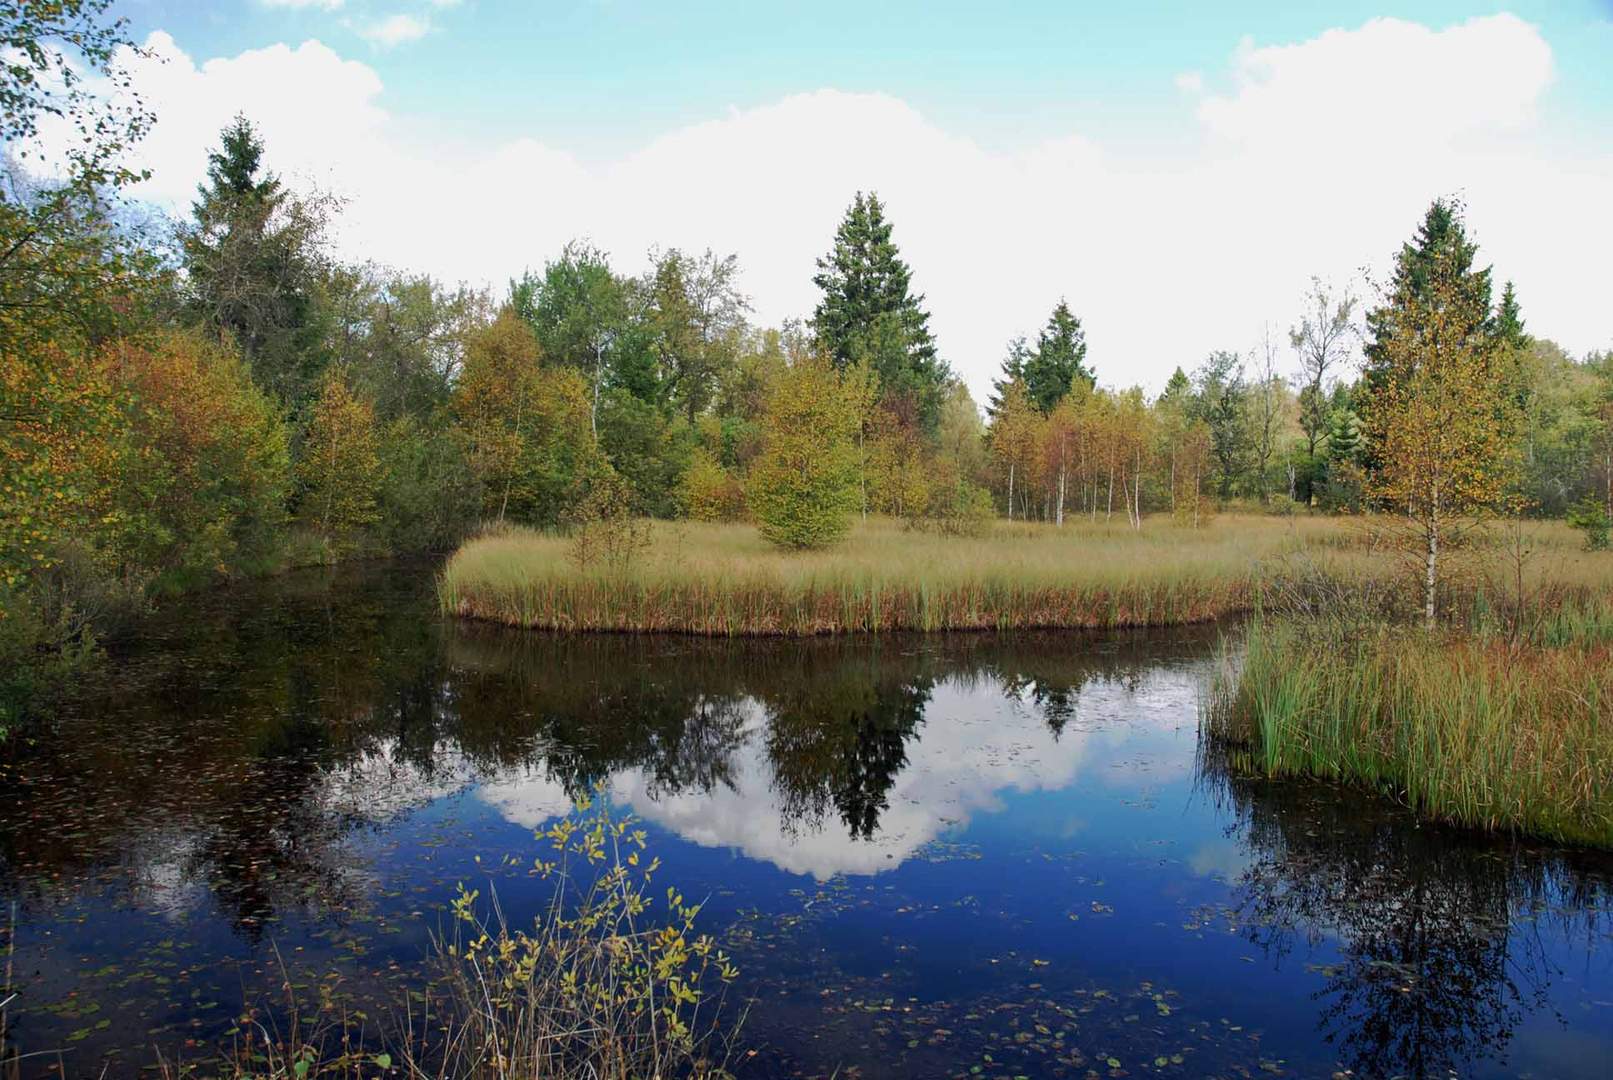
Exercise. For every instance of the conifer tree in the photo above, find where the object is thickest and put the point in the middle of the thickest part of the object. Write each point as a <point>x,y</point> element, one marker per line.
<point>253,258</point>
<point>1014,361</point>
<point>1057,361</point>
<point>1509,326</point>
<point>1442,242</point>
<point>869,313</point>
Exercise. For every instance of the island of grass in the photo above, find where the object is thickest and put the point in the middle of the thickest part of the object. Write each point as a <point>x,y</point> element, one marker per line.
<point>726,580</point>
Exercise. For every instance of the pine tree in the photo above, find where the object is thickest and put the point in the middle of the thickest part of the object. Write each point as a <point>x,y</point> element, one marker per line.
<point>1509,326</point>
<point>1441,240</point>
<point>868,311</point>
<point>253,259</point>
<point>1058,360</point>
<point>1019,352</point>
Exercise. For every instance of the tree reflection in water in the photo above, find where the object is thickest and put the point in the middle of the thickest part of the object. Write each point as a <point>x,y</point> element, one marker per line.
<point>1439,931</point>
<point>255,733</point>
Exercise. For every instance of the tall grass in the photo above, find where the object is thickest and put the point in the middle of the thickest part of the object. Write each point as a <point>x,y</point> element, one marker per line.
<point>1470,728</point>
<point>726,580</point>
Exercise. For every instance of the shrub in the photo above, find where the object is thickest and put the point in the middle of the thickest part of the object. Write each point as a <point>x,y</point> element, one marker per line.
<point>599,986</point>
<point>1590,517</point>
<point>957,509</point>
<point>340,465</point>
<point>709,492</point>
<point>208,488</point>
<point>428,495</point>
<point>604,529</point>
<point>803,487</point>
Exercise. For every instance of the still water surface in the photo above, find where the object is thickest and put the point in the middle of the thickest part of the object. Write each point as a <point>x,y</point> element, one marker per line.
<point>933,856</point>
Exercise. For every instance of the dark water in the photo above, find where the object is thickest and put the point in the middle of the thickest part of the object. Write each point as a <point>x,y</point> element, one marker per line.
<point>945,856</point>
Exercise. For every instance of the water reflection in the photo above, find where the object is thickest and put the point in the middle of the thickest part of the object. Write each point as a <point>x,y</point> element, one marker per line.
<point>306,759</point>
<point>820,757</point>
<point>1441,937</point>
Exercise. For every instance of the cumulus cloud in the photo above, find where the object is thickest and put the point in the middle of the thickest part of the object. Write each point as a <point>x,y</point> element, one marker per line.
<point>1315,157</point>
<point>1403,86</point>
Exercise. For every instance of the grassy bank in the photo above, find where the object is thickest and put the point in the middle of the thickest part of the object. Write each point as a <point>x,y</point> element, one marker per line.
<point>1470,729</point>
<point>726,580</point>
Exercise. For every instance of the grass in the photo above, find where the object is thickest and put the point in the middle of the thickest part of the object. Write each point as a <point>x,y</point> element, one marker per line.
<point>726,580</point>
<point>1468,728</point>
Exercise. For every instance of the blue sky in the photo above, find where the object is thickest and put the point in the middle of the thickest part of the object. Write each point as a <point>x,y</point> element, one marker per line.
<point>1051,105</point>
<point>605,73</point>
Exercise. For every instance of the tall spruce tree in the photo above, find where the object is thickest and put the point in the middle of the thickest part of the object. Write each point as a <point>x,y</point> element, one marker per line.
<point>868,312</point>
<point>1441,240</point>
<point>1058,360</point>
<point>254,259</point>
<point>1439,258</point>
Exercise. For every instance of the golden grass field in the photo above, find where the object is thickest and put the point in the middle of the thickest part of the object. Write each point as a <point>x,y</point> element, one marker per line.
<point>724,579</point>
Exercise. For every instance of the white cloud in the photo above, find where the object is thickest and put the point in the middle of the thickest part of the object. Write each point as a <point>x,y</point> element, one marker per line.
<point>325,5</point>
<point>1312,158</point>
<point>1393,86</point>
<point>973,747</point>
<point>395,30</point>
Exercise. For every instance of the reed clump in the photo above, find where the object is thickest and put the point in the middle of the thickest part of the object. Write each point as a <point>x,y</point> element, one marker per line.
<point>1469,727</point>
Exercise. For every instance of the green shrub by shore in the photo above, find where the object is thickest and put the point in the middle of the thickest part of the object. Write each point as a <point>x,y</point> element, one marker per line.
<point>1470,729</point>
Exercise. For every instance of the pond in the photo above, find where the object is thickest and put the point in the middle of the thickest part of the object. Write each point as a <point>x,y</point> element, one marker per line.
<point>969,855</point>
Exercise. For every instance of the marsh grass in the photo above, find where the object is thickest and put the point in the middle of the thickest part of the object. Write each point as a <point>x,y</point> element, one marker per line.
<point>1469,727</point>
<point>725,579</point>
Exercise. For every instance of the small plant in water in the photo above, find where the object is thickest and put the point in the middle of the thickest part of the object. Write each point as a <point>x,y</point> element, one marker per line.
<point>600,986</point>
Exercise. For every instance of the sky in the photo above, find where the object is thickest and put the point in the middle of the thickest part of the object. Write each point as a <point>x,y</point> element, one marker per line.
<point>1176,172</point>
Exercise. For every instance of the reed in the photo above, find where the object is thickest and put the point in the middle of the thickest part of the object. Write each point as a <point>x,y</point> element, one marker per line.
<point>1470,728</point>
<point>725,580</point>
